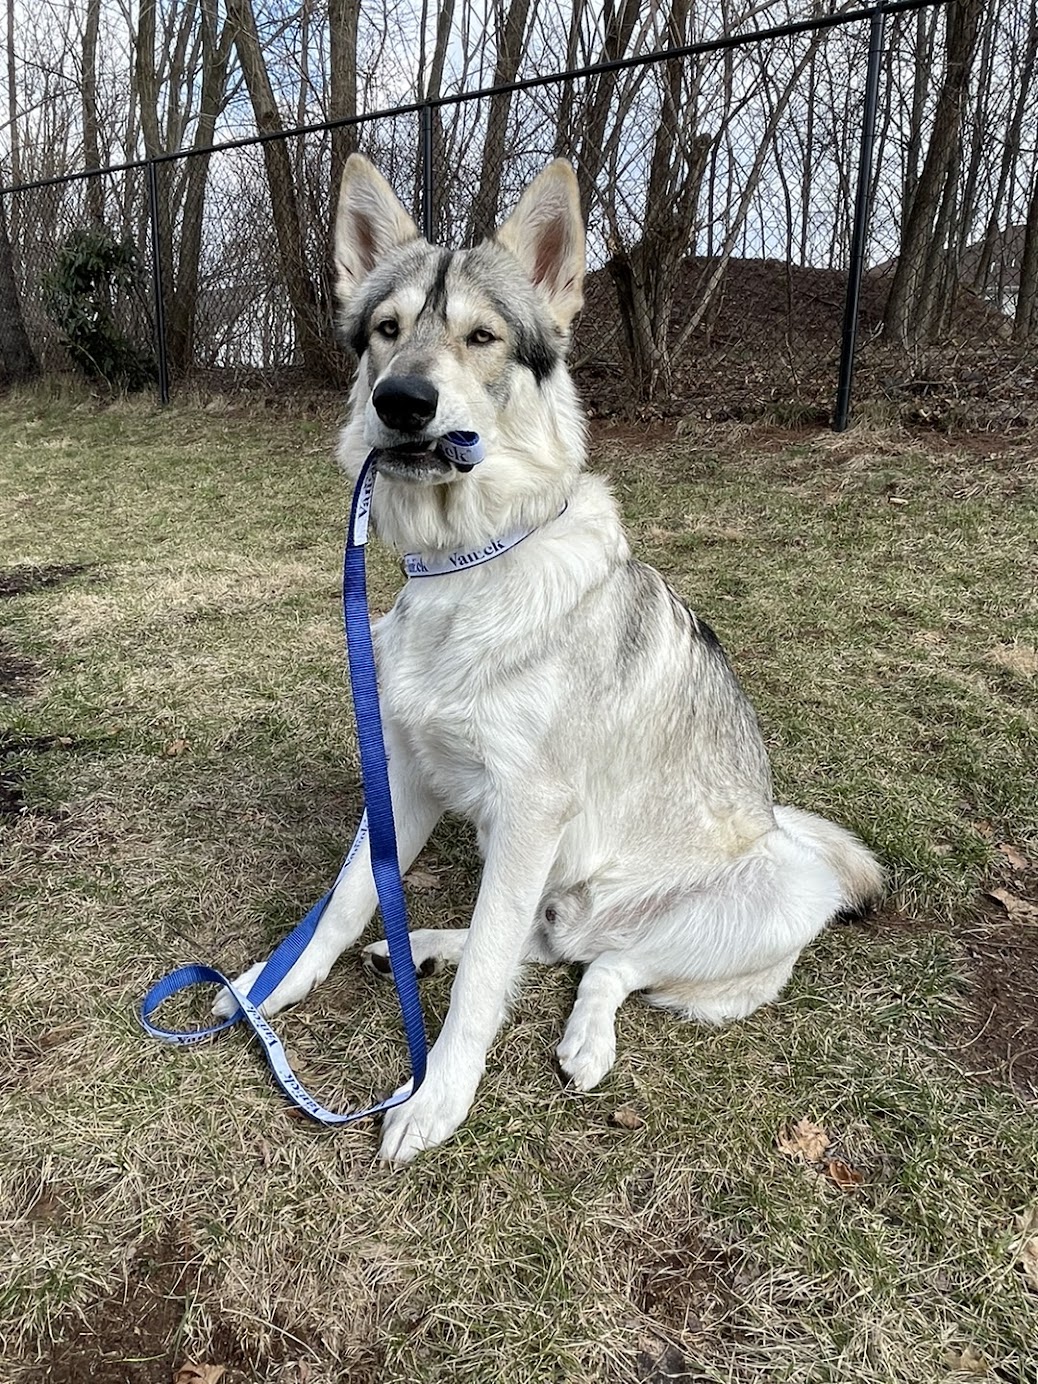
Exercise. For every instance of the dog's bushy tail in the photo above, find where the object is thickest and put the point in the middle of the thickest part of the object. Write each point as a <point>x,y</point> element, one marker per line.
<point>859,872</point>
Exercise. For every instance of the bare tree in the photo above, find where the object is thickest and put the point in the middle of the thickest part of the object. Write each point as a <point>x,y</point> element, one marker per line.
<point>17,361</point>
<point>509,32</point>
<point>95,206</point>
<point>183,307</point>
<point>312,336</point>
<point>1025,324</point>
<point>909,314</point>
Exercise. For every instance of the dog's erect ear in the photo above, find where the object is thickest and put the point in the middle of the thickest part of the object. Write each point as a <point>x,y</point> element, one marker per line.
<point>370,223</point>
<point>546,235</point>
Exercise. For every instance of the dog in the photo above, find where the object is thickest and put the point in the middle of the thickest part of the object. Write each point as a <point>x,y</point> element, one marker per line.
<point>561,696</point>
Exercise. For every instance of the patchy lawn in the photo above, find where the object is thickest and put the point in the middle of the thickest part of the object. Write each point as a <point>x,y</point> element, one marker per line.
<point>178,781</point>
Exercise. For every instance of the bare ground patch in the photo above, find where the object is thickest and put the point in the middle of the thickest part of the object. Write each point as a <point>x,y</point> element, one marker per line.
<point>18,675</point>
<point>14,769</point>
<point>999,1041</point>
<point>27,577</point>
<point>135,1336</point>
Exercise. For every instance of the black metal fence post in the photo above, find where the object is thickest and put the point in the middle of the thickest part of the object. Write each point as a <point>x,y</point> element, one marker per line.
<point>427,172</point>
<point>861,222</point>
<point>156,282</point>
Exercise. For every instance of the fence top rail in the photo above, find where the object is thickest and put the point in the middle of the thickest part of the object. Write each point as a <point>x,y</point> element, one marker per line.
<point>658,55</point>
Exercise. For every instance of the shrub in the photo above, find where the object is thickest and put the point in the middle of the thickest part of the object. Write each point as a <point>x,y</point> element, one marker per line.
<point>91,272</point>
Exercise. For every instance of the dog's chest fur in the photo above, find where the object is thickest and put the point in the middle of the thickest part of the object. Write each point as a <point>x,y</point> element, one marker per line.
<point>451,682</point>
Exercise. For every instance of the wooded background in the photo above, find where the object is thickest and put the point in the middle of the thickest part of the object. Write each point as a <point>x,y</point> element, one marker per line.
<point>718,187</point>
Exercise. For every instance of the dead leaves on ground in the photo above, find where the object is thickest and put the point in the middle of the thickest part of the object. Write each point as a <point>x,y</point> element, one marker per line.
<point>422,879</point>
<point>809,1143</point>
<point>1017,859</point>
<point>969,1361</point>
<point>845,1177</point>
<point>1027,1252</point>
<point>803,1140</point>
<point>1020,910</point>
<point>191,1373</point>
<point>626,1117</point>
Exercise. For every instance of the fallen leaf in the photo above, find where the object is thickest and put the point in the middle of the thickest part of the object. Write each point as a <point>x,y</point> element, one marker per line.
<point>626,1118</point>
<point>54,1036</point>
<point>985,829</point>
<point>1029,1261</point>
<point>422,879</point>
<point>1022,909</point>
<point>1027,1254</point>
<point>1015,858</point>
<point>845,1177</point>
<point>199,1374</point>
<point>803,1140</point>
<point>969,1361</point>
<point>175,747</point>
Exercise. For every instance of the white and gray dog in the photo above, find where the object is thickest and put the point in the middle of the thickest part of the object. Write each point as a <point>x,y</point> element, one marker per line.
<point>561,697</point>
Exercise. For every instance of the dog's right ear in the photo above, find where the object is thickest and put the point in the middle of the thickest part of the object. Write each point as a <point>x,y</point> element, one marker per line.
<point>370,223</point>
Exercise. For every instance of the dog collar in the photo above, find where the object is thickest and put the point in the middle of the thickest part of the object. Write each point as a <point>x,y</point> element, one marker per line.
<point>419,565</point>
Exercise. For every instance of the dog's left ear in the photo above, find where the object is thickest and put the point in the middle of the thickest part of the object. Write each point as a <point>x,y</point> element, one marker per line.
<point>370,223</point>
<point>546,235</point>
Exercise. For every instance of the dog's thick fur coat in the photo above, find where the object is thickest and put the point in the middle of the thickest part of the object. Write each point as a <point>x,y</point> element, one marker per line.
<point>561,697</point>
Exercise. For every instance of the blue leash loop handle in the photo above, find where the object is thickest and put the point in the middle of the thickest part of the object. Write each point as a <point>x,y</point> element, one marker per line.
<point>376,823</point>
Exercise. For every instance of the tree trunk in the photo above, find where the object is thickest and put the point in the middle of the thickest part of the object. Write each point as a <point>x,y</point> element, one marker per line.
<point>912,287</point>
<point>343,17</point>
<point>312,335</point>
<point>1010,152</point>
<point>511,30</point>
<point>434,88</point>
<point>147,83</point>
<point>216,50</point>
<point>17,361</point>
<point>618,28</point>
<point>95,193</point>
<point>1025,324</point>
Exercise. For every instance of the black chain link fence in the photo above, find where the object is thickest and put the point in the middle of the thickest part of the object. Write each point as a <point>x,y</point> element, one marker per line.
<point>722,186</point>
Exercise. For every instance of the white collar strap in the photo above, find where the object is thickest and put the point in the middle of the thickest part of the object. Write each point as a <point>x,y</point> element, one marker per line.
<point>419,565</point>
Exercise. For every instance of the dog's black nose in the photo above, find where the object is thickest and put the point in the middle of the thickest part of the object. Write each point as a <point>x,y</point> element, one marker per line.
<point>405,403</point>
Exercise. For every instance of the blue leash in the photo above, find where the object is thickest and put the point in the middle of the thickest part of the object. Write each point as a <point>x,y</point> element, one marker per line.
<point>464,450</point>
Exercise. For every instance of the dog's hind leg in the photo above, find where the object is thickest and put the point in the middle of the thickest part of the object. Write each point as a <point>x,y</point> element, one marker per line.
<point>588,1047</point>
<point>436,947</point>
<point>721,1001</point>
<point>432,949</point>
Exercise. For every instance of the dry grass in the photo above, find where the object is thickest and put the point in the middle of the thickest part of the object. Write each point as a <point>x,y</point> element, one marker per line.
<point>878,601</point>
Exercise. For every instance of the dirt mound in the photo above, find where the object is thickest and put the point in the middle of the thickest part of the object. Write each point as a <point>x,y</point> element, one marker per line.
<point>773,337</point>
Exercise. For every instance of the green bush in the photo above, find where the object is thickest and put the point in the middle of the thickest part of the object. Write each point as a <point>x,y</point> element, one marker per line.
<point>80,292</point>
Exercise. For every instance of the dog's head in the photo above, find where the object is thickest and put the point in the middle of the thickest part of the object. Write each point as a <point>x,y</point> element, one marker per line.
<point>452,341</point>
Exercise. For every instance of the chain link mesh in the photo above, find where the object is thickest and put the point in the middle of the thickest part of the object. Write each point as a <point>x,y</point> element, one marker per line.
<point>719,194</point>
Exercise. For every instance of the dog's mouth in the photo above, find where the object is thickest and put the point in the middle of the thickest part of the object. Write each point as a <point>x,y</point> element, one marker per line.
<point>417,462</point>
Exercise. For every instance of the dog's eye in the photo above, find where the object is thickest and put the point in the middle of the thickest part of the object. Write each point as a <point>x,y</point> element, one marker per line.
<point>389,328</point>
<point>481,337</point>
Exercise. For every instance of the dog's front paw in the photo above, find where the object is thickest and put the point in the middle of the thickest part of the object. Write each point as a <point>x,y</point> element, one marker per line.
<point>588,1049</point>
<point>427,1119</point>
<point>301,979</point>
